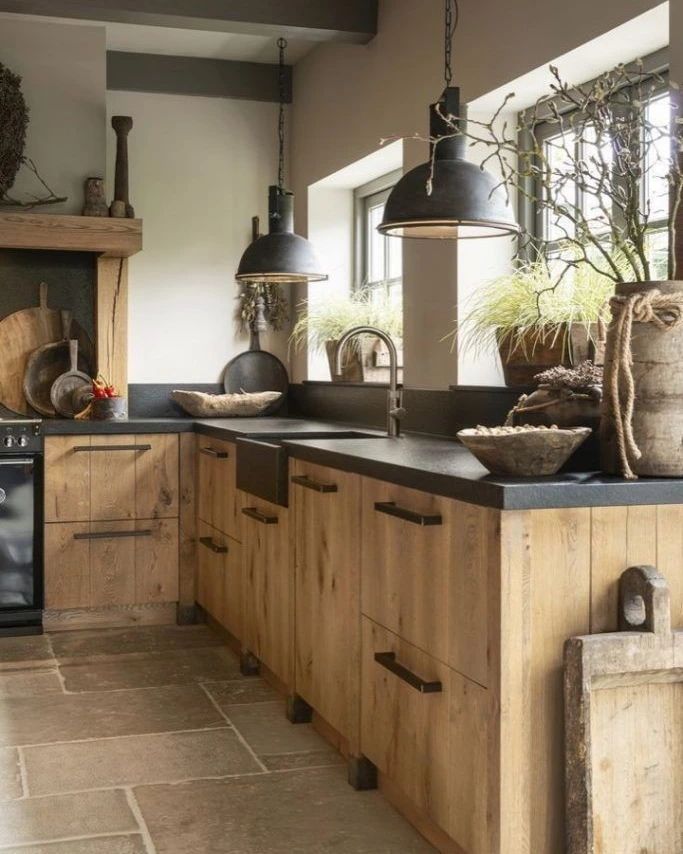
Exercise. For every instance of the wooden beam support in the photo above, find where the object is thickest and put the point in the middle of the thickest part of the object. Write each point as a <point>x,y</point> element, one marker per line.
<point>111,321</point>
<point>352,21</point>
<point>112,238</point>
<point>188,75</point>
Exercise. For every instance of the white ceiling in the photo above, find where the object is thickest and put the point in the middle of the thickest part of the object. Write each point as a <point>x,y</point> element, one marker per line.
<point>134,38</point>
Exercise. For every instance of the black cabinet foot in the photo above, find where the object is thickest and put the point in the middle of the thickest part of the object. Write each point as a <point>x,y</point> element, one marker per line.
<point>362,774</point>
<point>298,710</point>
<point>187,615</point>
<point>249,664</point>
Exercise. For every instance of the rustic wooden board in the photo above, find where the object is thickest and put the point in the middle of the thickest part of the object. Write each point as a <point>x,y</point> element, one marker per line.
<point>624,728</point>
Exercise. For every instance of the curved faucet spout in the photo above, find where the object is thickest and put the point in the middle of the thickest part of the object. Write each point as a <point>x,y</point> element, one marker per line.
<point>395,409</point>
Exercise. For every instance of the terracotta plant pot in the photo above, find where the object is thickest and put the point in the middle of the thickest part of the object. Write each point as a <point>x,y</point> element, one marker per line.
<point>523,359</point>
<point>657,371</point>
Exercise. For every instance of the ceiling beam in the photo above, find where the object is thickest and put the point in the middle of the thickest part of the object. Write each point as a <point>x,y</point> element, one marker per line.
<point>185,75</point>
<point>333,20</point>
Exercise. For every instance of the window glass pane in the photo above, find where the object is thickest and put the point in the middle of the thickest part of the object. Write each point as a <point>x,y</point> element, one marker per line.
<point>562,186</point>
<point>658,253</point>
<point>596,204</point>
<point>657,162</point>
<point>395,252</point>
<point>376,245</point>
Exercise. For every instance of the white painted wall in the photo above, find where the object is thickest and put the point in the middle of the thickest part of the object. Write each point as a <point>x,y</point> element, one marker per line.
<point>200,168</point>
<point>64,83</point>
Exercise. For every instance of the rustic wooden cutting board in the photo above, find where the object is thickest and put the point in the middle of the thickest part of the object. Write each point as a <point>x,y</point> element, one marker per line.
<point>21,333</point>
<point>624,728</point>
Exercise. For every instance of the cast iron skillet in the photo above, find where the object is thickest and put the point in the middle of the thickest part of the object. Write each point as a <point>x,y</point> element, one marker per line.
<point>256,370</point>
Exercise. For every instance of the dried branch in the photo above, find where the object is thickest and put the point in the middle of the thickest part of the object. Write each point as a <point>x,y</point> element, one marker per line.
<point>50,198</point>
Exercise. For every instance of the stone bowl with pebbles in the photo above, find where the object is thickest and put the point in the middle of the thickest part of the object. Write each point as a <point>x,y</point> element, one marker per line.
<point>524,451</point>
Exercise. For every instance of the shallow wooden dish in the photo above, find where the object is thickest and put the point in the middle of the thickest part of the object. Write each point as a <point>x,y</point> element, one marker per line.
<point>529,452</point>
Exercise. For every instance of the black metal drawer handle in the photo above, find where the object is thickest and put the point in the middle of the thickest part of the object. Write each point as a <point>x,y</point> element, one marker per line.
<point>92,448</point>
<point>209,543</point>
<point>263,518</point>
<point>388,660</point>
<point>393,509</point>
<point>112,535</point>
<point>211,452</point>
<point>315,485</point>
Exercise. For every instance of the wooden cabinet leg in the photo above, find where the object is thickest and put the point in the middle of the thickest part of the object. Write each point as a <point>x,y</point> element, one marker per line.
<point>362,774</point>
<point>298,710</point>
<point>187,615</point>
<point>249,664</point>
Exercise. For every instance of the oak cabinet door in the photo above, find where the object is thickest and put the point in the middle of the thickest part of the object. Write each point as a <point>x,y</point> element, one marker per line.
<point>156,477</point>
<point>220,578</point>
<point>218,502</point>
<point>325,506</point>
<point>268,586</point>
<point>67,479</point>
<point>156,561</point>
<point>112,563</point>
<point>67,565</point>
<point>112,477</point>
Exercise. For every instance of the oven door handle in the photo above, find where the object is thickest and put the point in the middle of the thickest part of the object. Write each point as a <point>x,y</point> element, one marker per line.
<point>14,461</point>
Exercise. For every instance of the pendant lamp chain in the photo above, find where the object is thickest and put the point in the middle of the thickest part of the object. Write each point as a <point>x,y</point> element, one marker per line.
<point>282,79</point>
<point>452,15</point>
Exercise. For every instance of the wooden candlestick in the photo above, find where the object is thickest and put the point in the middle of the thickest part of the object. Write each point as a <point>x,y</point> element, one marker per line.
<point>122,126</point>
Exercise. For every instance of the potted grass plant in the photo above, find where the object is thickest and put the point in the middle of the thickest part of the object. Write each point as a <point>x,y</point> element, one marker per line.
<point>319,326</point>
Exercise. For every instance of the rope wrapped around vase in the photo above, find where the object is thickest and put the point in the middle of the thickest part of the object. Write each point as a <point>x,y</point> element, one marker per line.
<point>666,312</point>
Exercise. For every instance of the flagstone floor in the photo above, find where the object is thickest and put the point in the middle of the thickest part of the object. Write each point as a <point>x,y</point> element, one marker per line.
<point>149,741</point>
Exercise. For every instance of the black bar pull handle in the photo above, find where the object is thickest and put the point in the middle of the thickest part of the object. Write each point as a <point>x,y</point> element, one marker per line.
<point>393,509</point>
<point>388,660</point>
<point>209,543</point>
<point>263,518</point>
<point>112,535</point>
<point>212,452</point>
<point>315,485</point>
<point>93,448</point>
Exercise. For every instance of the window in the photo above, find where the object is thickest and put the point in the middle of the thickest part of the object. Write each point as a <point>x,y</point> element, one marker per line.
<point>379,259</point>
<point>595,207</point>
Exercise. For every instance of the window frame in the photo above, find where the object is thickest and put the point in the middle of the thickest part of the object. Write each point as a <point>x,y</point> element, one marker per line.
<point>365,197</point>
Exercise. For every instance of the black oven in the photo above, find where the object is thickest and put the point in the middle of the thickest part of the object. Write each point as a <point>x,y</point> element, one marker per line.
<point>21,527</point>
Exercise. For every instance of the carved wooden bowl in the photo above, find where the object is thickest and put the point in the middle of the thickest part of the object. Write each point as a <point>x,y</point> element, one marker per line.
<point>523,451</point>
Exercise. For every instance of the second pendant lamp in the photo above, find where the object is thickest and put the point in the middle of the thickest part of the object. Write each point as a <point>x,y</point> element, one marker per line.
<point>280,256</point>
<point>464,201</point>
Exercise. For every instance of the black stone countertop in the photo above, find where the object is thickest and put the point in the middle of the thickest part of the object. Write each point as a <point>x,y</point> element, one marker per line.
<point>431,464</point>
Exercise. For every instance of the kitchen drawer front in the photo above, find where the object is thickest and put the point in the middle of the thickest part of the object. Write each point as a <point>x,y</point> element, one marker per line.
<point>219,582</point>
<point>218,502</point>
<point>325,508</point>
<point>403,730</point>
<point>268,586</point>
<point>100,564</point>
<point>111,477</point>
<point>434,745</point>
<point>405,563</point>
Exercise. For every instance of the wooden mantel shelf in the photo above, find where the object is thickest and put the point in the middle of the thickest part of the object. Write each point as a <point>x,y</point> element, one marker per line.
<point>107,236</point>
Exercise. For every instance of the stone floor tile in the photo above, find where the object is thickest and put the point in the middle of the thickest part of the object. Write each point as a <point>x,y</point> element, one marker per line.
<point>249,690</point>
<point>303,812</point>
<point>29,682</point>
<point>30,649</point>
<point>309,759</point>
<point>45,819</point>
<point>10,775</point>
<point>267,730</point>
<point>70,717</point>
<point>162,758</point>
<point>147,670</point>
<point>96,642</point>
<point>99,845</point>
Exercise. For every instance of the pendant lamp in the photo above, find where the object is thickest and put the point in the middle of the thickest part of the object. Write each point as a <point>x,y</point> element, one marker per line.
<point>465,201</point>
<point>280,256</point>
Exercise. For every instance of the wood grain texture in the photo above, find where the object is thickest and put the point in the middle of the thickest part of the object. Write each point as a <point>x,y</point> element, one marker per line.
<point>210,576</point>
<point>269,589</point>
<point>67,479</point>
<point>111,321</point>
<point>112,566</point>
<point>219,582</point>
<point>404,732</point>
<point>112,478</point>
<point>106,236</point>
<point>405,567</point>
<point>187,549</point>
<point>156,561</point>
<point>121,616</point>
<point>156,477</point>
<point>67,566</point>
<point>327,596</point>
<point>218,500</point>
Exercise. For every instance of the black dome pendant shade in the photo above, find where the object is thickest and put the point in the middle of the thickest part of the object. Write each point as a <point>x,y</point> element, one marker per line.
<point>280,256</point>
<point>464,200</point>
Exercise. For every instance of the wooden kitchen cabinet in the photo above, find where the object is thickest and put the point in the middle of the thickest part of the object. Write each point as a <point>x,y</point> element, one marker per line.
<point>325,506</point>
<point>102,564</point>
<point>111,477</point>
<point>219,577</point>
<point>218,501</point>
<point>268,629</point>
